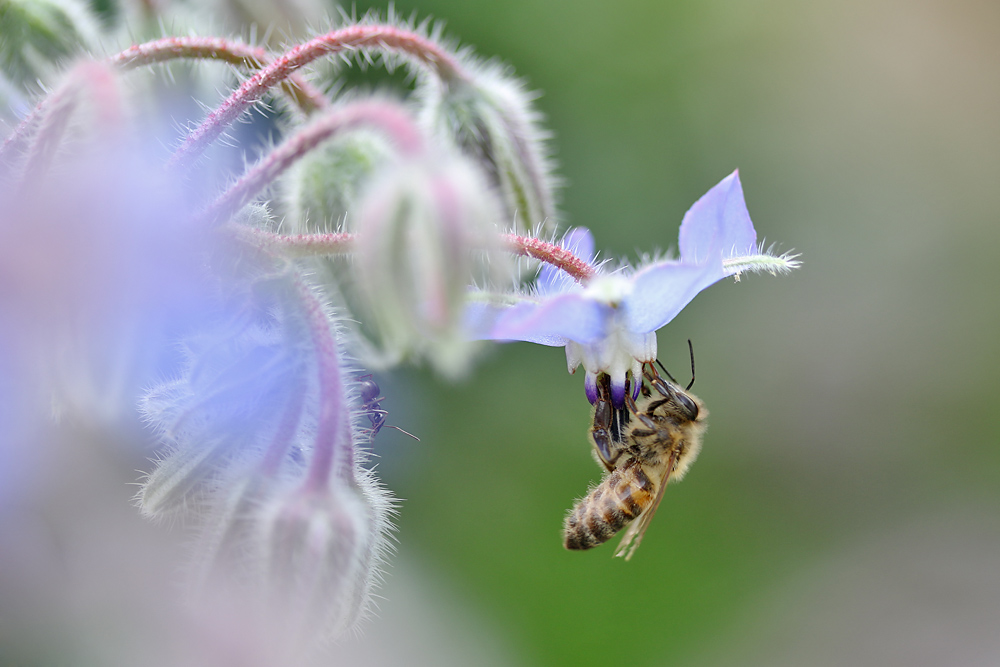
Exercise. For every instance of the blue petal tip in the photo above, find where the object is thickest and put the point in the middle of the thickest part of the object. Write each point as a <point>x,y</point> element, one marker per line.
<point>618,392</point>
<point>590,386</point>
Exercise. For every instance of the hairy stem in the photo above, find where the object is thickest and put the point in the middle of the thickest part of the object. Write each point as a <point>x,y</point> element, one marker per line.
<point>285,435</point>
<point>388,117</point>
<point>306,96</point>
<point>296,245</point>
<point>316,245</point>
<point>333,448</point>
<point>389,38</point>
<point>94,79</point>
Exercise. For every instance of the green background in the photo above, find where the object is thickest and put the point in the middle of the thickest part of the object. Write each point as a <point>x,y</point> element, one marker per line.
<point>844,508</point>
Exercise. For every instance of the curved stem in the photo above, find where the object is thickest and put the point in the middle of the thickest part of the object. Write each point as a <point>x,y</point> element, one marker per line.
<point>333,449</point>
<point>390,118</point>
<point>19,137</point>
<point>306,96</point>
<point>285,435</point>
<point>385,37</point>
<point>52,116</point>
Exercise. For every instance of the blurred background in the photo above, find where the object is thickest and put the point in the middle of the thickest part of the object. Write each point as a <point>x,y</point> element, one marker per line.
<point>845,509</point>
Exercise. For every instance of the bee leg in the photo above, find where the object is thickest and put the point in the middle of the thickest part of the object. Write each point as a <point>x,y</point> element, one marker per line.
<point>605,452</point>
<point>607,449</point>
<point>607,430</point>
<point>653,377</point>
<point>649,423</point>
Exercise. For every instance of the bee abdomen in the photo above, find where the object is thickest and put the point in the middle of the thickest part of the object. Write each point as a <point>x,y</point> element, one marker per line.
<point>619,499</point>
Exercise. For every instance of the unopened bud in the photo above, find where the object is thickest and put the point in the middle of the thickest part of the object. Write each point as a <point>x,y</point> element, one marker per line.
<point>426,230</point>
<point>222,412</point>
<point>323,188</point>
<point>491,119</point>
<point>318,560</point>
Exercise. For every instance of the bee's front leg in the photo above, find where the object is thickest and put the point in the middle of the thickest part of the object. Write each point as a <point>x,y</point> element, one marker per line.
<point>606,432</point>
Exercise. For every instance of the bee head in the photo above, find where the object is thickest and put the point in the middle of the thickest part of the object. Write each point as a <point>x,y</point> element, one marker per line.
<point>676,401</point>
<point>687,407</point>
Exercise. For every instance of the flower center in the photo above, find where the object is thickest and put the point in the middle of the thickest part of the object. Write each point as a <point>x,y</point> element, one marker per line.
<point>609,289</point>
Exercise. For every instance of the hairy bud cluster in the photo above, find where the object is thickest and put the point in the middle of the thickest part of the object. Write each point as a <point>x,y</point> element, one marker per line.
<point>288,513</point>
<point>424,230</point>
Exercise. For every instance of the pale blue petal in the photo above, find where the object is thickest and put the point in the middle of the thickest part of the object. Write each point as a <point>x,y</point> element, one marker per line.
<point>555,321</point>
<point>718,223</point>
<point>661,290</point>
<point>480,318</point>
<point>552,280</point>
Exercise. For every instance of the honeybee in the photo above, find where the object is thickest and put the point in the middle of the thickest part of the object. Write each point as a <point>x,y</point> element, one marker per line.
<point>640,459</point>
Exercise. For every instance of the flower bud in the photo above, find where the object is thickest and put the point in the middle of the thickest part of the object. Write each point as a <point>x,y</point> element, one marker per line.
<point>285,19</point>
<point>423,229</point>
<point>320,554</point>
<point>222,411</point>
<point>323,188</point>
<point>306,560</point>
<point>491,119</point>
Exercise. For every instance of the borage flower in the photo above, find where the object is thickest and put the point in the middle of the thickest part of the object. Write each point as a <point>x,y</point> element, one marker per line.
<point>608,320</point>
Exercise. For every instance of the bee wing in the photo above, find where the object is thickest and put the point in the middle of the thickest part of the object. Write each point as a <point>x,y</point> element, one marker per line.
<point>633,536</point>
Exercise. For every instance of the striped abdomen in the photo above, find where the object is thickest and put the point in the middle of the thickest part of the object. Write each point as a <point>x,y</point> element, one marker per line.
<point>620,498</point>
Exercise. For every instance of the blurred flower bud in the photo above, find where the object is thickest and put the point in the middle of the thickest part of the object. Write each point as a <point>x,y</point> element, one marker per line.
<point>491,119</point>
<point>424,231</point>
<point>101,267</point>
<point>35,35</point>
<point>306,561</point>
<point>222,412</point>
<point>282,19</point>
<point>261,455</point>
<point>324,186</point>
<point>321,554</point>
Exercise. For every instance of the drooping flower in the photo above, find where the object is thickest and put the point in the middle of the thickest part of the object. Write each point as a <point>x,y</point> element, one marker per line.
<point>263,455</point>
<point>608,323</point>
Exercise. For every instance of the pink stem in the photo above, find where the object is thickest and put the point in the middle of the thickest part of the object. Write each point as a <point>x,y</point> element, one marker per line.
<point>297,245</point>
<point>334,445</point>
<point>312,245</point>
<point>385,37</point>
<point>304,94</point>
<point>285,435</point>
<point>95,79</point>
<point>388,117</point>
<point>19,137</point>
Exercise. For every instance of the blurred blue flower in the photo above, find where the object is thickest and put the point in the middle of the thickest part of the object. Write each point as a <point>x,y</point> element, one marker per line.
<point>609,324</point>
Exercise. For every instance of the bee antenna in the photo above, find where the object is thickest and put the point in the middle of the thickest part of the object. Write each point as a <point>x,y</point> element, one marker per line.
<point>660,364</point>
<point>691,350</point>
